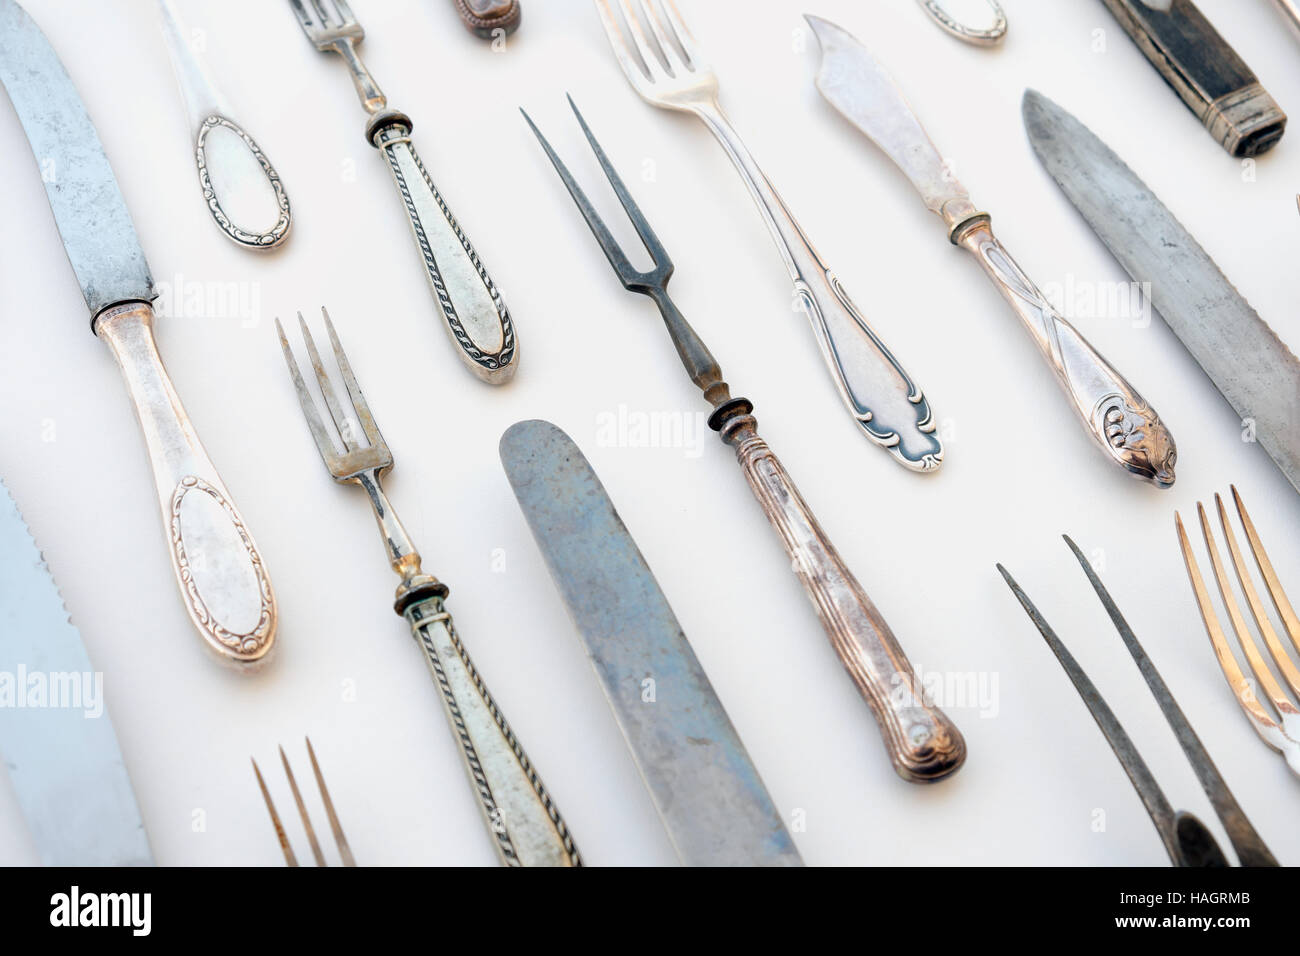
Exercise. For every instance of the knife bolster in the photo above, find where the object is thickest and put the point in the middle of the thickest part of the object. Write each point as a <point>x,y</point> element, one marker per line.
<point>960,216</point>
<point>384,120</point>
<point>1247,121</point>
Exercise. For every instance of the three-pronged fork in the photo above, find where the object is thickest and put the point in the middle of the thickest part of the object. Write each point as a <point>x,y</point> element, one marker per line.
<point>475,316</point>
<point>666,67</point>
<point>345,852</point>
<point>1283,734</point>
<point>525,824</point>
<point>923,743</point>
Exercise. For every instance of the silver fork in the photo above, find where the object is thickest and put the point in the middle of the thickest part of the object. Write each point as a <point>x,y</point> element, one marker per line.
<point>1283,734</point>
<point>345,851</point>
<point>666,67</point>
<point>525,824</point>
<point>472,309</point>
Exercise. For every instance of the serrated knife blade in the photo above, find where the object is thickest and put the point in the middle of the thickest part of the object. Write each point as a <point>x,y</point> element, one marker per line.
<point>1244,358</point>
<point>707,791</point>
<point>56,738</point>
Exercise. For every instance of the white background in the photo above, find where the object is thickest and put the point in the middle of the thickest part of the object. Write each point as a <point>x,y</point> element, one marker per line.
<point>1019,470</point>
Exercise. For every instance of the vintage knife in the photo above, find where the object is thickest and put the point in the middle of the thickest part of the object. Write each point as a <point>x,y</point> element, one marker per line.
<point>1248,363</point>
<point>241,188</point>
<point>1205,71</point>
<point>1114,413</point>
<point>219,570</point>
<point>708,794</point>
<point>60,749</point>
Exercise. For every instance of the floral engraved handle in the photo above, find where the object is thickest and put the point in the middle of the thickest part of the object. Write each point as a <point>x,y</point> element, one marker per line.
<point>1119,419</point>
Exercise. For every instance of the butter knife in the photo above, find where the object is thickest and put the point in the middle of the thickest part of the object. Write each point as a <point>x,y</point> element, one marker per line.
<point>1112,411</point>
<point>241,188</point>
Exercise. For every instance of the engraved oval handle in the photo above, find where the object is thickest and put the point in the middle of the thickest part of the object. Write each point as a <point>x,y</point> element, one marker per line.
<point>243,191</point>
<point>472,309</point>
<point>524,822</point>
<point>1116,416</point>
<point>218,567</point>
<point>922,741</point>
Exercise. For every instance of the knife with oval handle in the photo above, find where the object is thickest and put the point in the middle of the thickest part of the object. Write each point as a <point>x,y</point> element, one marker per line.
<point>218,567</point>
<point>1112,411</point>
<point>241,188</point>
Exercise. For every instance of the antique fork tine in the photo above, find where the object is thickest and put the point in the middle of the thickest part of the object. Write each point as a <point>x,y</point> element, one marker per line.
<point>341,422</point>
<point>280,835</point>
<point>878,393</point>
<point>524,824</point>
<point>345,851</point>
<point>1187,840</point>
<point>923,743</point>
<point>1249,845</point>
<point>302,811</point>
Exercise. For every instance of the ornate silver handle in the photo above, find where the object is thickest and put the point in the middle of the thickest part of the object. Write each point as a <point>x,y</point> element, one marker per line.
<point>475,315</point>
<point>923,743</point>
<point>243,191</point>
<point>1115,415</point>
<point>878,393</point>
<point>520,814</point>
<point>220,572</point>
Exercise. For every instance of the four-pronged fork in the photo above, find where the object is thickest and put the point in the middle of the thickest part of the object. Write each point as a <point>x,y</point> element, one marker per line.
<point>345,852</point>
<point>475,316</point>
<point>666,67</point>
<point>1283,734</point>
<point>923,743</point>
<point>525,824</point>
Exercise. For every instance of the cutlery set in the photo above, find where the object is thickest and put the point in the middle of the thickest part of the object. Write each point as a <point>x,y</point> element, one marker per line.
<point>69,773</point>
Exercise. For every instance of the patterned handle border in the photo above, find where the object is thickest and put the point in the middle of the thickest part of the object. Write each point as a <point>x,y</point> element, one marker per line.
<point>272,237</point>
<point>472,308</point>
<point>922,741</point>
<point>524,821</point>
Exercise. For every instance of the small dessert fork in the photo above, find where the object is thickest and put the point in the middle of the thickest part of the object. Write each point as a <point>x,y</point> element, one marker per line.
<point>345,852</point>
<point>475,316</point>
<point>525,824</point>
<point>1283,736</point>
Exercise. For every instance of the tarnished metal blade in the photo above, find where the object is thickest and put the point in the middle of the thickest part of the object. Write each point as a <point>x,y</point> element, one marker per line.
<point>88,206</point>
<point>1245,359</point>
<point>708,794</point>
<point>55,736</point>
<point>856,85</point>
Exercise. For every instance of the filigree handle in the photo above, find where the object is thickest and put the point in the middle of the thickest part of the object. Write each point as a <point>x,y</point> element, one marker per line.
<point>1114,413</point>
<point>243,192</point>
<point>923,743</point>
<point>473,311</point>
<point>525,823</point>
<point>220,572</point>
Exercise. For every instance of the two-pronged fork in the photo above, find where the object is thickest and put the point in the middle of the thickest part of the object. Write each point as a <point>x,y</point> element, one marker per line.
<point>472,309</point>
<point>345,852</point>
<point>923,743</point>
<point>665,66</point>
<point>525,824</point>
<point>1283,734</point>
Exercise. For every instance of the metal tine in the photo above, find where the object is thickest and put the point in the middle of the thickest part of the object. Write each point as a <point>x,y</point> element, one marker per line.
<point>1290,621</point>
<point>304,18</point>
<point>666,48</point>
<point>345,852</point>
<point>1250,847</point>
<point>685,39</point>
<point>1242,689</point>
<point>630,277</point>
<point>302,811</point>
<point>1280,657</point>
<point>1258,665</point>
<point>324,441</point>
<point>359,405</point>
<point>341,422</point>
<point>325,19</point>
<point>289,858</point>
<point>633,70</point>
<point>1153,798</point>
<point>345,12</point>
<point>654,66</point>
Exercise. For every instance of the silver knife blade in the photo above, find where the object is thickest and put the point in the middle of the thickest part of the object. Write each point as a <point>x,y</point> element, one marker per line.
<point>1244,358</point>
<point>856,85</point>
<point>706,789</point>
<point>55,735</point>
<point>89,210</point>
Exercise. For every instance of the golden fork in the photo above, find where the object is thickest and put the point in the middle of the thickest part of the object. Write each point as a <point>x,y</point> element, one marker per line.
<point>345,852</point>
<point>1282,734</point>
